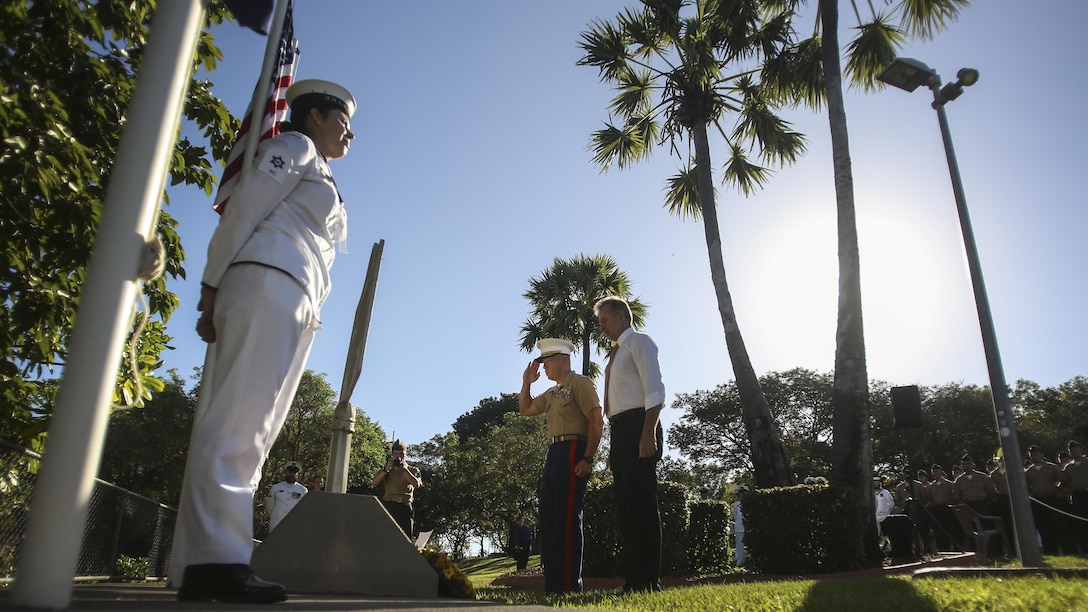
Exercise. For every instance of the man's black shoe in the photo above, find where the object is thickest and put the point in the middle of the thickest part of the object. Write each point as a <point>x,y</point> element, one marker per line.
<point>229,583</point>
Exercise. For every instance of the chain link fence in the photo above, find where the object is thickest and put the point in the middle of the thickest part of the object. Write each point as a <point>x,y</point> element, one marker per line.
<point>126,535</point>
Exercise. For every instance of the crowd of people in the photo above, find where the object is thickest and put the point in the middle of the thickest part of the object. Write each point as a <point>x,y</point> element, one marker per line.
<point>1059,501</point>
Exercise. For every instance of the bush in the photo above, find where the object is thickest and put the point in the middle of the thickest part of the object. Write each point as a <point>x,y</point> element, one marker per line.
<point>820,533</point>
<point>672,501</point>
<point>601,532</point>
<point>708,537</point>
<point>132,568</point>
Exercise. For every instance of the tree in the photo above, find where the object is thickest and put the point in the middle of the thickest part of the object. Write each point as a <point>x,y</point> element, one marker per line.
<point>489,413</point>
<point>1053,416</point>
<point>711,432</point>
<point>146,447</point>
<point>562,300</point>
<point>811,73</point>
<point>481,486</point>
<point>305,438</point>
<point>674,80</point>
<point>66,77</point>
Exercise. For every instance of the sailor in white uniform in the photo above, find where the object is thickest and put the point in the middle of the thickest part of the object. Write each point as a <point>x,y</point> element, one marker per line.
<point>261,293</point>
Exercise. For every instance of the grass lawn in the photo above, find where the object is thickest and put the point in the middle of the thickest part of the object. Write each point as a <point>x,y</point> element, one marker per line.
<point>954,594</point>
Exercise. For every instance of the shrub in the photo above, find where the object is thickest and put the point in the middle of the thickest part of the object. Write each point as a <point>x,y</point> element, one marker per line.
<point>708,537</point>
<point>805,529</point>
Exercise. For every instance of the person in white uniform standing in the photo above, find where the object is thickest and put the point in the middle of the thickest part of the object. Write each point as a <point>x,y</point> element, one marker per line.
<point>283,496</point>
<point>261,293</point>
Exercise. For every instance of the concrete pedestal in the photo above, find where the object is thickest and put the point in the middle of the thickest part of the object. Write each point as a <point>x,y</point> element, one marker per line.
<point>332,543</point>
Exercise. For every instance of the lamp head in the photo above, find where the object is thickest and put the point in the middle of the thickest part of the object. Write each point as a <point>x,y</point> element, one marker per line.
<point>967,76</point>
<point>964,78</point>
<point>906,74</point>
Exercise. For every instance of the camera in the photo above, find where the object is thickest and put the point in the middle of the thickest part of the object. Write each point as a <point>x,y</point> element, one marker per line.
<point>398,461</point>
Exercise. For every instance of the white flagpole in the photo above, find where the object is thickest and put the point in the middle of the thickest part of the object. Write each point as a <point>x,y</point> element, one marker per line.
<point>257,104</point>
<point>50,552</point>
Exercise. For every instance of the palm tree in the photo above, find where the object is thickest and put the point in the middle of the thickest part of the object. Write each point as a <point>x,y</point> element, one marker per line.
<point>562,300</point>
<point>810,73</point>
<point>677,77</point>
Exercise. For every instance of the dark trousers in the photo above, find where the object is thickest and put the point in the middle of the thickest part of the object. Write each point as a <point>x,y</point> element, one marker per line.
<point>402,514</point>
<point>922,528</point>
<point>946,528</point>
<point>1080,527</point>
<point>1050,524</point>
<point>1003,508</point>
<point>636,502</point>
<point>562,497</point>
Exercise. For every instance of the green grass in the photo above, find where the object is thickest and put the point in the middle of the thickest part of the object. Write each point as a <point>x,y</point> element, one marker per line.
<point>891,593</point>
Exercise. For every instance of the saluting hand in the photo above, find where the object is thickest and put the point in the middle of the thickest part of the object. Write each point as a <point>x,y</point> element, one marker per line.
<point>531,373</point>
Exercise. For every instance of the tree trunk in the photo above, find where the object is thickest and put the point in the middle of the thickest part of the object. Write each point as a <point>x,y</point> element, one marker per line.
<point>769,460</point>
<point>852,446</point>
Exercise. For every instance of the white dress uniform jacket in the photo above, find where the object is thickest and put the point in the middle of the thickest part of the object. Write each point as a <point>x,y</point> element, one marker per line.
<point>292,215</point>
<point>281,499</point>
<point>269,259</point>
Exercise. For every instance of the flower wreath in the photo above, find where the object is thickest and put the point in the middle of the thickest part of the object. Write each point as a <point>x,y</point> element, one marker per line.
<point>451,582</point>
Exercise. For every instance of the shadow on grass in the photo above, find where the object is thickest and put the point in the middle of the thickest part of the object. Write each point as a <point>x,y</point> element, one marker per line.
<point>883,594</point>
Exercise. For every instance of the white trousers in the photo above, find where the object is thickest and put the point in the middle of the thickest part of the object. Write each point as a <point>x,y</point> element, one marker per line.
<point>265,326</point>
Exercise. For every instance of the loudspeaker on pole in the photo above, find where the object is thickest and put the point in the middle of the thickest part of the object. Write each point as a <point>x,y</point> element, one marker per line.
<point>906,407</point>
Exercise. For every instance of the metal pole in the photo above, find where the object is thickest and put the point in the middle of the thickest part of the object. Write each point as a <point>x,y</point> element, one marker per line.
<point>50,552</point>
<point>1023,522</point>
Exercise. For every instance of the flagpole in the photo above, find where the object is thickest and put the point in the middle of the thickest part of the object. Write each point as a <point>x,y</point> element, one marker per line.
<point>50,551</point>
<point>264,85</point>
<point>256,105</point>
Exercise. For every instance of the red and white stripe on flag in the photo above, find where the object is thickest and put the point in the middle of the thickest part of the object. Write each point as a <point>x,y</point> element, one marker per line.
<point>275,111</point>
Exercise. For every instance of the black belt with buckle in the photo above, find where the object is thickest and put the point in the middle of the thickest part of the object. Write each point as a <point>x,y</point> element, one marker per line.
<point>627,414</point>
<point>566,437</point>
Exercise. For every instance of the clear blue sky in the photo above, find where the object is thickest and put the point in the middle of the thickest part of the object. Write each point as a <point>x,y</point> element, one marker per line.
<point>470,162</point>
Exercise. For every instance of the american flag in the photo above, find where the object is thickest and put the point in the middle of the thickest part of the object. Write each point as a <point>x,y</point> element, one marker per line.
<point>275,111</point>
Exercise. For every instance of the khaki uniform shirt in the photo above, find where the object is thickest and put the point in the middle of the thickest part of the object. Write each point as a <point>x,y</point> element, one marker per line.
<point>567,405</point>
<point>1076,475</point>
<point>921,492</point>
<point>398,487</point>
<point>940,492</point>
<point>903,492</point>
<point>974,486</point>
<point>1043,479</point>
<point>1000,481</point>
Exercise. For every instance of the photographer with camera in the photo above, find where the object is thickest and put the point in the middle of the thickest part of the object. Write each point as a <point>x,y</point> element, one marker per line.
<point>399,480</point>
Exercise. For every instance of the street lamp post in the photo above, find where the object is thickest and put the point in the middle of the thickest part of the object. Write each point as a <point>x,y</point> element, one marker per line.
<point>908,74</point>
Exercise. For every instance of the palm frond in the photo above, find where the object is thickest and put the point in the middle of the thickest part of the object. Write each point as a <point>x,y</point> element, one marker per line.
<point>622,146</point>
<point>924,18</point>
<point>682,194</point>
<point>873,50</point>
<point>604,47</point>
<point>744,174</point>
<point>635,93</point>
<point>758,123</point>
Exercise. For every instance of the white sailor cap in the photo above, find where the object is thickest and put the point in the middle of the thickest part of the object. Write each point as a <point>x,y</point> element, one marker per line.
<point>553,346</point>
<point>327,91</point>
<point>293,466</point>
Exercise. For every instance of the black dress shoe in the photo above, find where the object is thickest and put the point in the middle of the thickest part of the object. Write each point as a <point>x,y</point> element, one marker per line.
<point>229,583</point>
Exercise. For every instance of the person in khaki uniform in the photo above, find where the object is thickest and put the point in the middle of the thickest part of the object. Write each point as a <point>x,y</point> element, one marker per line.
<point>975,488</point>
<point>1043,479</point>
<point>947,530</point>
<point>575,424</point>
<point>400,481</point>
<point>1075,480</point>
<point>1002,507</point>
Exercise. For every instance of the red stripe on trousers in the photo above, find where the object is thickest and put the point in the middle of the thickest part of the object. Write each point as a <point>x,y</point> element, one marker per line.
<point>572,478</point>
